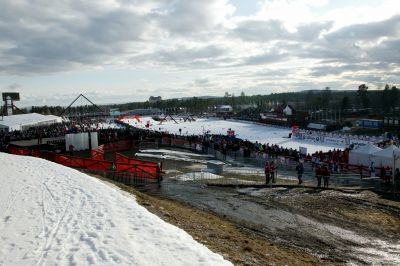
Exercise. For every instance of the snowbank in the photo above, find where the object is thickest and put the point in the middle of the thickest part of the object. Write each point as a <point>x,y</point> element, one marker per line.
<point>50,214</point>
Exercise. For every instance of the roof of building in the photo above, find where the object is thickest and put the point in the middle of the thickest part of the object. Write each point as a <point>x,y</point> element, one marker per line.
<point>27,119</point>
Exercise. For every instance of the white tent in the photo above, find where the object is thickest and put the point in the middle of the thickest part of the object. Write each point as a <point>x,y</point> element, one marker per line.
<point>362,155</point>
<point>24,121</point>
<point>385,157</point>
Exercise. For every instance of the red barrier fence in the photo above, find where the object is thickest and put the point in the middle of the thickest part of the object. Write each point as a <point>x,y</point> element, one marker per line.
<point>120,158</point>
<point>126,164</point>
<point>98,153</point>
<point>151,171</point>
<point>83,163</point>
<point>19,151</point>
<point>118,146</point>
<point>145,169</point>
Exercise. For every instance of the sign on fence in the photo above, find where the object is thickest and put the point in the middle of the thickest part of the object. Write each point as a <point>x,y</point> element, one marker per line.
<point>334,140</point>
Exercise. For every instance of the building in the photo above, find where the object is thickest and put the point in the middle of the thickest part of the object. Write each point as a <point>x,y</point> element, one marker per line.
<point>225,109</point>
<point>369,123</point>
<point>114,112</point>
<point>155,99</point>
<point>246,106</point>
<point>143,112</point>
<point>24,121</point>
<point>281,115</point>
<point>391,123</point>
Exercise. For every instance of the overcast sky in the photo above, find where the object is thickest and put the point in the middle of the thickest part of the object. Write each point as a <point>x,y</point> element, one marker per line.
<point>127,50</point>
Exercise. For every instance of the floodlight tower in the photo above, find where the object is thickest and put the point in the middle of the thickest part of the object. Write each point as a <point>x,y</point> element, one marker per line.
<point>8,103</point>
<point>9,98</point>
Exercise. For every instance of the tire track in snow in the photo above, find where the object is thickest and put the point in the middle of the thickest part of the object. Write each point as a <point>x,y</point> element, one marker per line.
<point>10,202</point>
<point>54,231</point>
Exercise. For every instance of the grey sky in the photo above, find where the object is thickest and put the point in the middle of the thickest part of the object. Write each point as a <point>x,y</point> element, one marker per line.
<point>128,50</point>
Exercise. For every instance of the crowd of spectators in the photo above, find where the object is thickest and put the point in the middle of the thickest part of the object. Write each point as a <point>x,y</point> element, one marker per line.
<point>223,143</point>
<point>52,131</point>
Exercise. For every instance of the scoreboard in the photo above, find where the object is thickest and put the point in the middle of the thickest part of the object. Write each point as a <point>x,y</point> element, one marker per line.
<point>13,95</point>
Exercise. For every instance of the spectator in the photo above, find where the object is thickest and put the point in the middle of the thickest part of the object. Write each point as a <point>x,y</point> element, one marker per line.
<point>267,172</point>
<point>318,175</point>
<point>388,175</point>
<point>372,169</point>
<point>326,176</point>
<point>273,171</point>
<point>300,171</point>
<point>397,180</point>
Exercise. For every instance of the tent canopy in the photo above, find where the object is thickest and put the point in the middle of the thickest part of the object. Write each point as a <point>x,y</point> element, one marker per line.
<point>385,157</point>
<point>363,154</point>
<point>367,149</point>
<point>19,122</point>
<point>388,152</point>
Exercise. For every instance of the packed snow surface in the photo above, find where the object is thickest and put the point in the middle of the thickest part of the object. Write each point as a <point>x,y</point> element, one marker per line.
<point>243,129</point>
<point>173,155</point>
<point>197,176</point>
<point>50,214</point>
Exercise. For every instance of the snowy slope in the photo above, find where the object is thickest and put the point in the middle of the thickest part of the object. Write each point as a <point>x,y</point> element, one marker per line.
<point>50,214</point>
<point>244,130</point>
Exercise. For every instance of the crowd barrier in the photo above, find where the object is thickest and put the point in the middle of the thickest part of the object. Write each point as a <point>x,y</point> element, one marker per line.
<point>118,146</point>
<point>149,170</point>
<point>83,163</point>
<point>19,151</point>
<point>144,169</point>
<point>260,158</point>
<point>178,143</point>
<point>120,158</point>
<point>98,153</point>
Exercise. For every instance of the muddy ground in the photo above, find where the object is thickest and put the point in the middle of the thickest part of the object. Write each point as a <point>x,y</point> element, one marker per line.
<point>278,225</point>
<point>236,243</point>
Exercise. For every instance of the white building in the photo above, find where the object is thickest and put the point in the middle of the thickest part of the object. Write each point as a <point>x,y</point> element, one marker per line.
<point>24,121</point>
<point>225,109</point>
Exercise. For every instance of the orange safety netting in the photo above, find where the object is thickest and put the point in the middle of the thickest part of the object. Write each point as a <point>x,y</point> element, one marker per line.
<point>19,151</point>
<point>125,164</point>
<point>119,158</point>
<point>150,170</point>
<point>118,146</point>
<point>98,153</point>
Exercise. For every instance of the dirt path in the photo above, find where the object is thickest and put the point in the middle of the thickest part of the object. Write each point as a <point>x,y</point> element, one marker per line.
<point>236,243</point>
<point>281,225</point>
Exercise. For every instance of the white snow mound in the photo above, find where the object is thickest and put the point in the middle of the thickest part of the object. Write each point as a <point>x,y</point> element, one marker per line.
<point>51,215</point>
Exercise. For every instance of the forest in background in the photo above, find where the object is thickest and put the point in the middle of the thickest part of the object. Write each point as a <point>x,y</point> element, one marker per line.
<point>378,102</point>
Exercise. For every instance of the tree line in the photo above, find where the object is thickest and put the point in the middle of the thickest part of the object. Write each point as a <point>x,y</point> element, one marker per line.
<point>381,102</point>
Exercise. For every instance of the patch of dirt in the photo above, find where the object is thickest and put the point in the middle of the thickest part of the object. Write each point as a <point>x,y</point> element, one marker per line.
<point>235,243</point>
<point>364,211</point>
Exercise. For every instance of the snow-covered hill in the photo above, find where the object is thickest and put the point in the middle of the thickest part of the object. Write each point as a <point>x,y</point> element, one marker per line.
<point>243,129</point>
<point>50,214</point>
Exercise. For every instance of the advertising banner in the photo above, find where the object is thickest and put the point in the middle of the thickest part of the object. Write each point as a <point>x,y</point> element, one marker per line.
<point>334,140</point>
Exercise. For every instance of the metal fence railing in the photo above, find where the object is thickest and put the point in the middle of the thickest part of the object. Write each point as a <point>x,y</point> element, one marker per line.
<point>132,179</point>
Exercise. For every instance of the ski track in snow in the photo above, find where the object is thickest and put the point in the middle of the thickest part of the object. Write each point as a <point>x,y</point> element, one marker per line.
<point>52,215</point>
